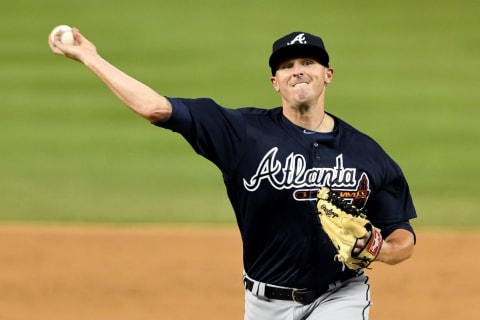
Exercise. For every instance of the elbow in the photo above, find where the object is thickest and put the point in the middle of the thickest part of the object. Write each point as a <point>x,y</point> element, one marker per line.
<point>157,116</point>
<point>158,112</point>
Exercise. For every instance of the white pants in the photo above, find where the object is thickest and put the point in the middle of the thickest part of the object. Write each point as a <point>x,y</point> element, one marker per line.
<point>350,300</point>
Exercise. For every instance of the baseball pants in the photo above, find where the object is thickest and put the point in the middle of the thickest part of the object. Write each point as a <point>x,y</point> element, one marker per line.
<point>347,300</point>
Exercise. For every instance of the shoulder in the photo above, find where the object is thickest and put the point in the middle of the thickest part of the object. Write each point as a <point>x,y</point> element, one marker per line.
<point>354,135</point>
<point>366,148</point>
<point>209,103</point>
<point>207,113</point>
<point>260,113</point>
<point>193,102</point>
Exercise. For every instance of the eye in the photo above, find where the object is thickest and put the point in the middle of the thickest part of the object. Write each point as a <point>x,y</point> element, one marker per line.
<point>308,62</point>
<point>286,65</point>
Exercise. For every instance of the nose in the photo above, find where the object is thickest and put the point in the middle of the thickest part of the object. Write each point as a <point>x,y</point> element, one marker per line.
<point>297,69</point>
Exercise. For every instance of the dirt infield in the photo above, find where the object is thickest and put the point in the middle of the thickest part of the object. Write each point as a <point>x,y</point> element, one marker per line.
<point>92,273</point>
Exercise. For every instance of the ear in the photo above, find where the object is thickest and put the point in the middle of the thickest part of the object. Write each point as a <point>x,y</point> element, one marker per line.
<point>328,75</point>
<point>274,82</point>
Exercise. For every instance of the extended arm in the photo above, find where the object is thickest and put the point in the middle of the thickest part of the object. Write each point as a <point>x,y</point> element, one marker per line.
<point>137,96</point>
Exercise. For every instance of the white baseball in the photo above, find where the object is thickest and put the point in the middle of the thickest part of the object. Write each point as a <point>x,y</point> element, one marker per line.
<point>66,36</point>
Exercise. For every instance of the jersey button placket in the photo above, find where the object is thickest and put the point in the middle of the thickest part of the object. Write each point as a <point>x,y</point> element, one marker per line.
<point>316,152</point>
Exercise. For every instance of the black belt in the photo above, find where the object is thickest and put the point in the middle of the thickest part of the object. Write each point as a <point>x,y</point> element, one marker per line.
<point>304,296</point>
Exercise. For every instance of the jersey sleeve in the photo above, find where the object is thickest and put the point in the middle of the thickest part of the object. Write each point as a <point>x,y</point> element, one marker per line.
<point>391,203</point>
<point>388,229</point>
<point>213,131</point>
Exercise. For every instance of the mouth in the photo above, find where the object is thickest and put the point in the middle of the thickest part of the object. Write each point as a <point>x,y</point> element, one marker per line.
<point>299,83</point>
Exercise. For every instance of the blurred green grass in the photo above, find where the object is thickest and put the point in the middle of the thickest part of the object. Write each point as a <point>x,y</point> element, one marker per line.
<point>405,73</point>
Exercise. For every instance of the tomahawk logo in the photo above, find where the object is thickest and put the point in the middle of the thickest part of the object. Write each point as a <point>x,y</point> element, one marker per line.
<point>299,38</point>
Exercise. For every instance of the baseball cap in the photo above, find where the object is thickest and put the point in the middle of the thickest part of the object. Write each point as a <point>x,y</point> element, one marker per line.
<point>298,44</point>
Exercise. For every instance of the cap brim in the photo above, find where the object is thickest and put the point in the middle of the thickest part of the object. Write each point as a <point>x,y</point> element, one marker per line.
<point>295,51</point>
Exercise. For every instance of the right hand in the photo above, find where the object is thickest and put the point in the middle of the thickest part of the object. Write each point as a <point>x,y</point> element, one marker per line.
<point>361,242</point>
<point>79,51</point>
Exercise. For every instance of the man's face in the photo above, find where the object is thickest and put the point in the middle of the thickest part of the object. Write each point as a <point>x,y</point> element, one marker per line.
<point>301,81</point>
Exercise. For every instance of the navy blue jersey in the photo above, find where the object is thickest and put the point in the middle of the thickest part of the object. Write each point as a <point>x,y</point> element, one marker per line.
<point>272,170</point>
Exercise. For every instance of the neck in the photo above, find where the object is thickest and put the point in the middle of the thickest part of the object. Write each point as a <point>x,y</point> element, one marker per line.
<point>309,118</point>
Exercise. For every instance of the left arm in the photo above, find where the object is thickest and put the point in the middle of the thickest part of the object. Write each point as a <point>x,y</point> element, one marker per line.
<point>397,247</point>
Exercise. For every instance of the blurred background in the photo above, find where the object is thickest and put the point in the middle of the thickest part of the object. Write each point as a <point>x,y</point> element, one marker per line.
<point>406,73</point>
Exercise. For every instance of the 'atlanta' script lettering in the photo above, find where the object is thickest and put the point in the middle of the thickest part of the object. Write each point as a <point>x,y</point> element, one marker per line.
<point>294,173</point>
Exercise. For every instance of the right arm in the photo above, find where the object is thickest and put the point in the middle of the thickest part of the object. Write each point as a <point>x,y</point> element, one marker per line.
<point>140,98</point>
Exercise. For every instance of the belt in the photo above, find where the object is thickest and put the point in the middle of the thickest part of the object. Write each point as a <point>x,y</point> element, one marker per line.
<point>304,296</point>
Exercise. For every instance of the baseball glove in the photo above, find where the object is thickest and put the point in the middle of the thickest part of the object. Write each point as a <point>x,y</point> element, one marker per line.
<point>345,225</point>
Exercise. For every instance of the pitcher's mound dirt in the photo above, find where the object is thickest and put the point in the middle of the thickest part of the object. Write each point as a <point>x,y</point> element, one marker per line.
<point>103,273</point>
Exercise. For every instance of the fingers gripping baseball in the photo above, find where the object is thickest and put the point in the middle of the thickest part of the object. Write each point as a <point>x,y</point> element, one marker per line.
<point>69,42</point>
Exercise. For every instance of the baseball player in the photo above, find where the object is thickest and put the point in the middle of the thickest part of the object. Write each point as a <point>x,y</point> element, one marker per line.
<point>273,161</point>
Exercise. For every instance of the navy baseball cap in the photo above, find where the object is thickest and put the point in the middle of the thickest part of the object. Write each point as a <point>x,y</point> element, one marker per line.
<point>298,44</point>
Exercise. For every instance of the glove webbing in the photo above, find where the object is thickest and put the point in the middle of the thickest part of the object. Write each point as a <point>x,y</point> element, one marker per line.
<point>340,203</point>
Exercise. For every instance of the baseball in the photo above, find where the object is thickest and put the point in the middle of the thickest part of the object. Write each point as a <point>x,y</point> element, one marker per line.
<point>66,37</point>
